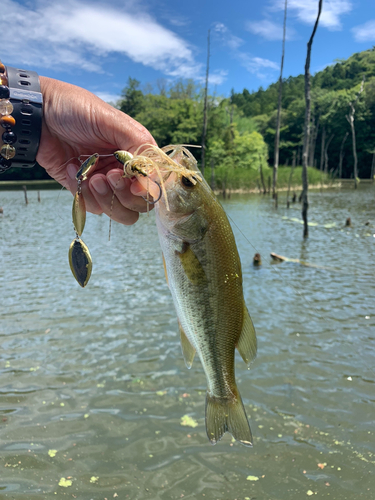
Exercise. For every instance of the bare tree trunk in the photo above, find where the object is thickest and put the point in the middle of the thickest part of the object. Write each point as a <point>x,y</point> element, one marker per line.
<point>205,106</point>
<point>25,193</point>
<point>326,153</point>
<point>342,154</point>
<point>294,159</point>
<point>350,119</point>
<point>289,182</point>
<point>305,181</point>
<point>322,148</point>
<point>261,175</point>
<point>314,136</point>
<point>277,136</point>
<point>373,167</point>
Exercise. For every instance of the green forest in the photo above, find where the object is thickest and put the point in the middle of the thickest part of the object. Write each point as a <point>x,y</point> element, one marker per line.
<point>241,128</point>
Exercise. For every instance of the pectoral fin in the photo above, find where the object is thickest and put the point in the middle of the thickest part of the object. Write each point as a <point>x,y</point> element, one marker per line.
<point>165,270</point>
<point>247,343</point>
<point>191,265</point>
<point>188,350</point>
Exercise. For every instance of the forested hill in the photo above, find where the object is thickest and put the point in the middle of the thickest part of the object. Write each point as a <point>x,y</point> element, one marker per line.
<point>338,76</point>
<point>332,90</point>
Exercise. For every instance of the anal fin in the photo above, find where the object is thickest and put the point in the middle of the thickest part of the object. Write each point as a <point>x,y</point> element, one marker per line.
<point>188,350</point>
<point>247,343</point>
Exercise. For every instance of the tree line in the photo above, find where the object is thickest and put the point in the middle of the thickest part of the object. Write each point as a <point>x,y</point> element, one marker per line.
<point>241,128</point>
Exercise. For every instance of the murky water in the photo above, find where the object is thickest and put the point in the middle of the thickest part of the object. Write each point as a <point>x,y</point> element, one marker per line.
<point>92,381</point>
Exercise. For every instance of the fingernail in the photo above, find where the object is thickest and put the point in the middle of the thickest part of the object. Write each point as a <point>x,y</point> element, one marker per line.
<point>116,181</point>
<point>71,170</point>
<point>99,185</point>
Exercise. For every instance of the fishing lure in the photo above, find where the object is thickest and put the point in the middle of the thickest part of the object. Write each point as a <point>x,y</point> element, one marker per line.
<point>79,256</point>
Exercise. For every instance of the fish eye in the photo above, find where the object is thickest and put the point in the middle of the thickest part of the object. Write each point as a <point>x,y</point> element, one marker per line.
<point>187,182</point>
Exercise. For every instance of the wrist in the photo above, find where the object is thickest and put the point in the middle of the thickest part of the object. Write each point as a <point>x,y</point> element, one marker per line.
<point>21,118</point>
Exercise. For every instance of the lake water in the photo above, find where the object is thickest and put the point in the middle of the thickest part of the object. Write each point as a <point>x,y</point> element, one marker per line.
<point>93,385</point>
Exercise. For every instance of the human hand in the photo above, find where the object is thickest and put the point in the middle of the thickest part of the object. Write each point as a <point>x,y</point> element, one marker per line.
<point>76,122</point>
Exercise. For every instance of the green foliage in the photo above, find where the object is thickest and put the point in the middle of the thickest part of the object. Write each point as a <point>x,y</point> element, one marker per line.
<point>332,91</point>
<point>237,158</point>
<point>132,101</point>
<point>171,121</point>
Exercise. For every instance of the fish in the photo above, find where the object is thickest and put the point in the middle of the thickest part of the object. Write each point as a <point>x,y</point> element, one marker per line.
<point>203,272</point>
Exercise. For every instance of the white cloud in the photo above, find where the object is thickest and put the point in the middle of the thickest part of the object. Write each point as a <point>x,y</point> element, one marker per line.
<point>364,32</point>
<point>269,30</point>
<point>307,10</point>
<point>76,33</point>
<point>226,37</point>
<point>108,97</point>
<point>257,65</point>
<point>217,77</point>
<point>178,21</point>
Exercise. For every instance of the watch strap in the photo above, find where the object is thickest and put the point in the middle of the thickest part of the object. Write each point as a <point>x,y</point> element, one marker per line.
<point>27,100</point>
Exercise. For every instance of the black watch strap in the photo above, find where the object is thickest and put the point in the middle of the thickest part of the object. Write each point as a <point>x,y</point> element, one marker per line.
<point>27,103</point>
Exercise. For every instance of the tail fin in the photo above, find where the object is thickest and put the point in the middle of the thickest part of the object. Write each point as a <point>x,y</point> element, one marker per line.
<point>222,415</point>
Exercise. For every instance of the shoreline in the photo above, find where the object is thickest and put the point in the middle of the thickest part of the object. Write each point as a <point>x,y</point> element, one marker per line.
<point>279,189</point>
<point>30,184</point>
<point>52,184</point>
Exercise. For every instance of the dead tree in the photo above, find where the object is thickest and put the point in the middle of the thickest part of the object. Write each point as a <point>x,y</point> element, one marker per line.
<point>350,118</point>
<point>314,135</point>
<point>306,136</point>
<point>261,175</point>
<point>326,153</point>
<point>205,106</point>
<point>322,148</point>
<point>25,193</point>
<point>342,154</point>
<point>277,135</point>
<point>290,179</point>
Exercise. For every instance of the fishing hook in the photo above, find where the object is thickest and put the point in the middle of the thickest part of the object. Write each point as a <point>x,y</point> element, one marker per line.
<point>158,198</point>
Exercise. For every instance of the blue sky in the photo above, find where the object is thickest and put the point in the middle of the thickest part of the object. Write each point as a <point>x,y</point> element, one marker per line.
<point>98,45</point>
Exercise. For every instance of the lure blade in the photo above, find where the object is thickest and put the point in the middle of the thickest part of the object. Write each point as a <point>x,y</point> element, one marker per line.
<point>79,213</point>
<point>80,262</point>
<point>87,166</point>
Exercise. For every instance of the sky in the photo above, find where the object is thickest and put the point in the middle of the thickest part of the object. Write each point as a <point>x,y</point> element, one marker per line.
<point>99,44</point>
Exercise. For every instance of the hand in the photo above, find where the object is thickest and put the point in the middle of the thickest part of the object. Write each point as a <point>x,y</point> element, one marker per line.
<point>76,122</point>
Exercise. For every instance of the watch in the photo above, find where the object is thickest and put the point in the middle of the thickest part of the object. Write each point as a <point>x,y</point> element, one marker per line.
<point>27,101</point>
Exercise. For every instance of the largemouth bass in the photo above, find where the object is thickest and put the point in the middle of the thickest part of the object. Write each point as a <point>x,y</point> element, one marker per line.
<point>203,271</point>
